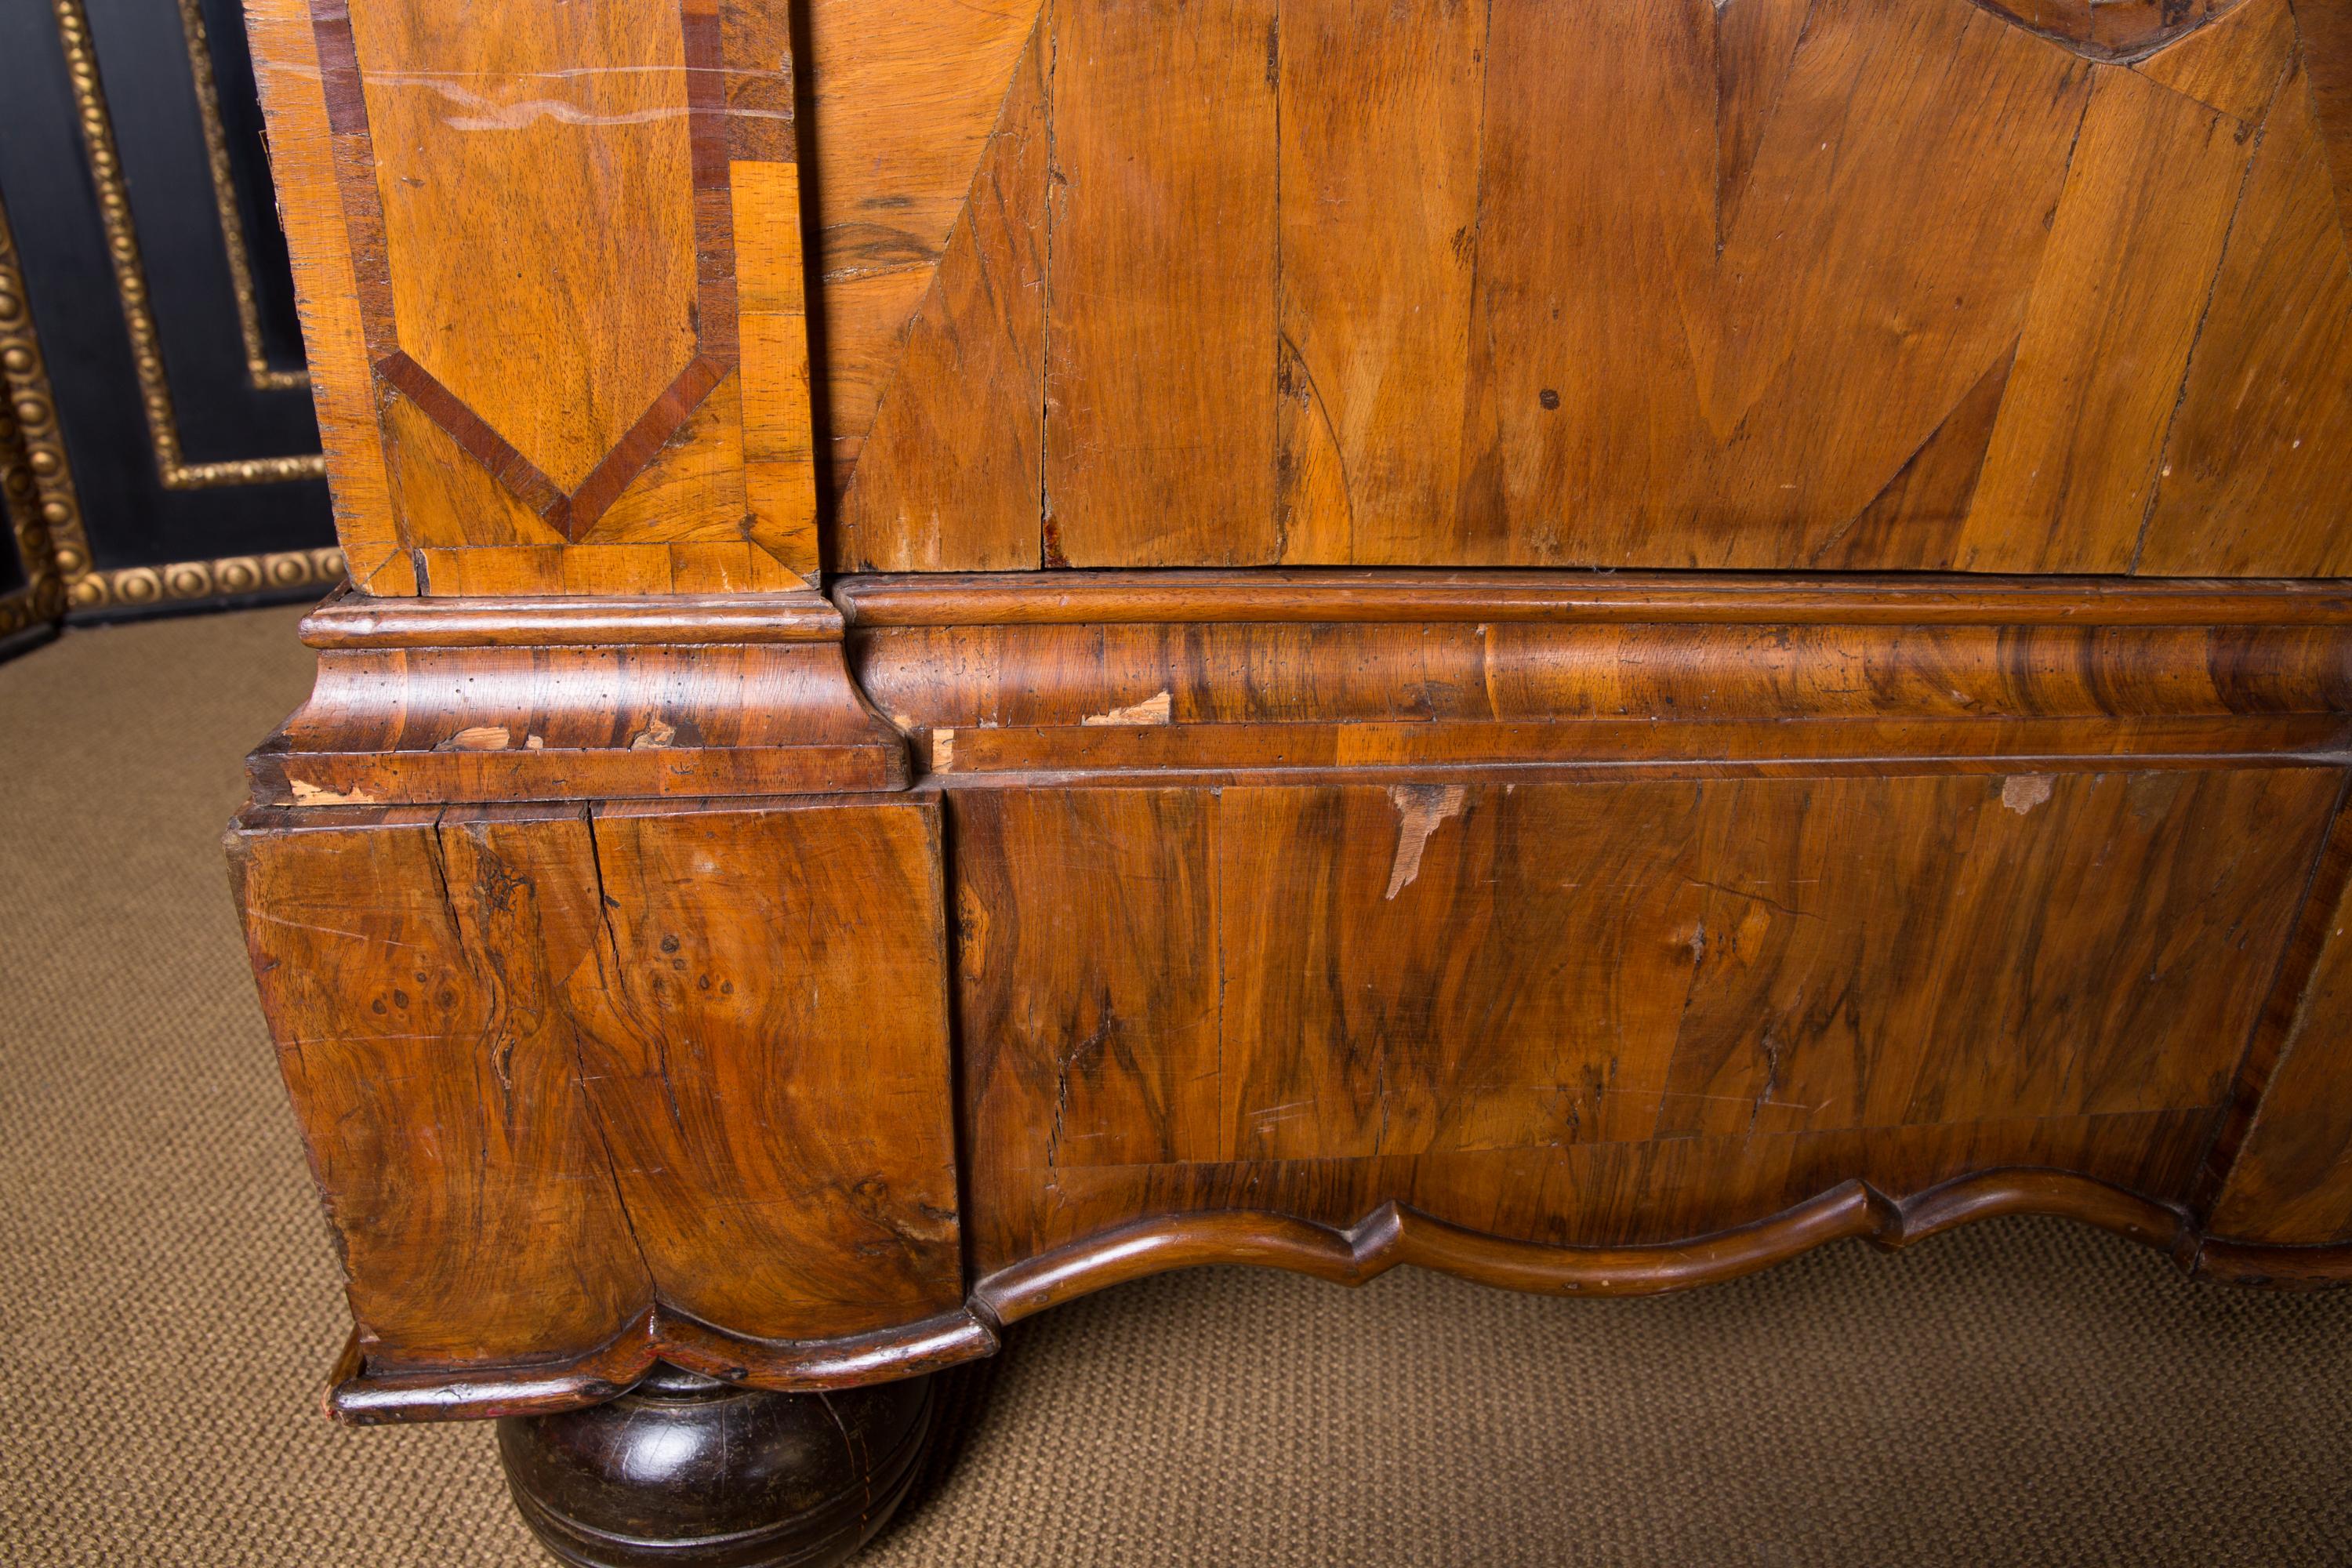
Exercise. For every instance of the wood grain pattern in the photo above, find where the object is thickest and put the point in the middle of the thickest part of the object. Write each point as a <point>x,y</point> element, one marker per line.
<point>488,137</point>
<point>404,1046</point>
<point>902,97</point>
<point>2114,28</point>
<point>580,1072</point>
<point>778,446</point>
<point>557,699</point>
<point>1941,815</point>
<point>967,678</point>
<point>1590,286</point>
<point>1942,120</point>
<point>957,445</point>
<point>1393,1235</point>
<point>694,487</point>
<point>784,1145</point>
<point>1583,384</point>
<point>1379,110</point>
<point>1755,45</point>
<point>1785,284</point>
<point>2282,1173</point>
<point>1160,360</point>
<point>309,203</point>
<point>1593,1195</point>
<point>1109,1052</point>
<point>2325,31</point>
<point>1677,598</point>
<point>1439,968</point>
<point>588,372</point>
<point>2234,64</point>
<point>2253,477</point>
<point>2071,470</point>
<point>1925,507</point>
<point>447,501</point>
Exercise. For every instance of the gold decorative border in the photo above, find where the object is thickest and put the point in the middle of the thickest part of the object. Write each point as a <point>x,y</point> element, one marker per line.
<point>48,527</point>
<point>130,284</point>
<point>136,586</point>
<point>42,598</point>
<point>265,376</point>
<point>46,512</point>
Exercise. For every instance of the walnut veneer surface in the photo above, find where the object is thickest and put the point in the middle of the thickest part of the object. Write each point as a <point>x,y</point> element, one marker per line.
<point>975,667</point>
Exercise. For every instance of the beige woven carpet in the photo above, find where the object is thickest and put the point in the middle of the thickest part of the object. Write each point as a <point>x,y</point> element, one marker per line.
<point>2026,1393</point>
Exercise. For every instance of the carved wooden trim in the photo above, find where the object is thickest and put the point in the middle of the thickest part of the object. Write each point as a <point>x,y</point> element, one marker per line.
<point>425,702</point>
<point>1219,677</point>
<point>364,1398</point>
<point>1390,1235</point>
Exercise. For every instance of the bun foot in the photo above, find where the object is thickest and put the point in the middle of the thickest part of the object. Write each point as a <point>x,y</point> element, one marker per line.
<point>685,1471</point>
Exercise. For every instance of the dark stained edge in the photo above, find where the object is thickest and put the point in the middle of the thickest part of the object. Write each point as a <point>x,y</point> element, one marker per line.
<point>1390,1235</point>
<point>714,212</point>
<point>517,473</point>
<point>355,159</point>
<point>1342,594</point>
<point>2117,32</point>
<point>661,420</point>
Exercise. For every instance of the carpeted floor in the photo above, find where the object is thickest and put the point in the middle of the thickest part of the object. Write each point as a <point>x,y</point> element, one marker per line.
<point>2024,1393</point>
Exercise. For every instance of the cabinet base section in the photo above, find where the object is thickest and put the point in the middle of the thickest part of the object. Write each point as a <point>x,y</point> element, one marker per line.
<point>688,1472</point>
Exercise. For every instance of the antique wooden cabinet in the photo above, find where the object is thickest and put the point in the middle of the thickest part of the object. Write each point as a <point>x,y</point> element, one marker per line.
<point>995,647</point>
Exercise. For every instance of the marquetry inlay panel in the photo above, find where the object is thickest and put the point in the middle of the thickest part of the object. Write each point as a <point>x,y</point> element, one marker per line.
<point>553,290</point>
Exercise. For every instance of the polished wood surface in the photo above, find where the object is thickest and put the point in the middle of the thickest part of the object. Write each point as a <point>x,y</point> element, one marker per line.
<point>1919,286</point>
<point>1204,818</point>
<point>1926,285</point>
<point>620,404</point>
<point>537,1004</point>
<point>752,1477</point>
<point>1574,941</point>
<point>566,698</point>
<point>1459,975</point>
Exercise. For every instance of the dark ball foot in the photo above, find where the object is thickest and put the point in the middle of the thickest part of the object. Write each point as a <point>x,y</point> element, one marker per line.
<point>687,1472</point>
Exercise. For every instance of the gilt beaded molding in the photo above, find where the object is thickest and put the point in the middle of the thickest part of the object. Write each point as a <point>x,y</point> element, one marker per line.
<point>130,277</point>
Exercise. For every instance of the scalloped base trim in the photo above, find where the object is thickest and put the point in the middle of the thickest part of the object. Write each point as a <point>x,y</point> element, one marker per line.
<point>1390,1235</point>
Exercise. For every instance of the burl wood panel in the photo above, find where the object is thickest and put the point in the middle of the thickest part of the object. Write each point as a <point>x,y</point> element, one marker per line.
<point>1837,284</point>
<point>547,1089</point>
<point>1474,989</point>
<point>551,282</point>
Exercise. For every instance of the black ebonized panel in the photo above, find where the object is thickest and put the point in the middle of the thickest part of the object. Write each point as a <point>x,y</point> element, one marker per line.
<point>51,186</point>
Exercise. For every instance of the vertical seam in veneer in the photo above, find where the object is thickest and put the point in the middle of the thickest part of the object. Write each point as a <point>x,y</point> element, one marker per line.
<point>1049,46</point>
<point>588,1101</point>
<point>1282,345</point>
